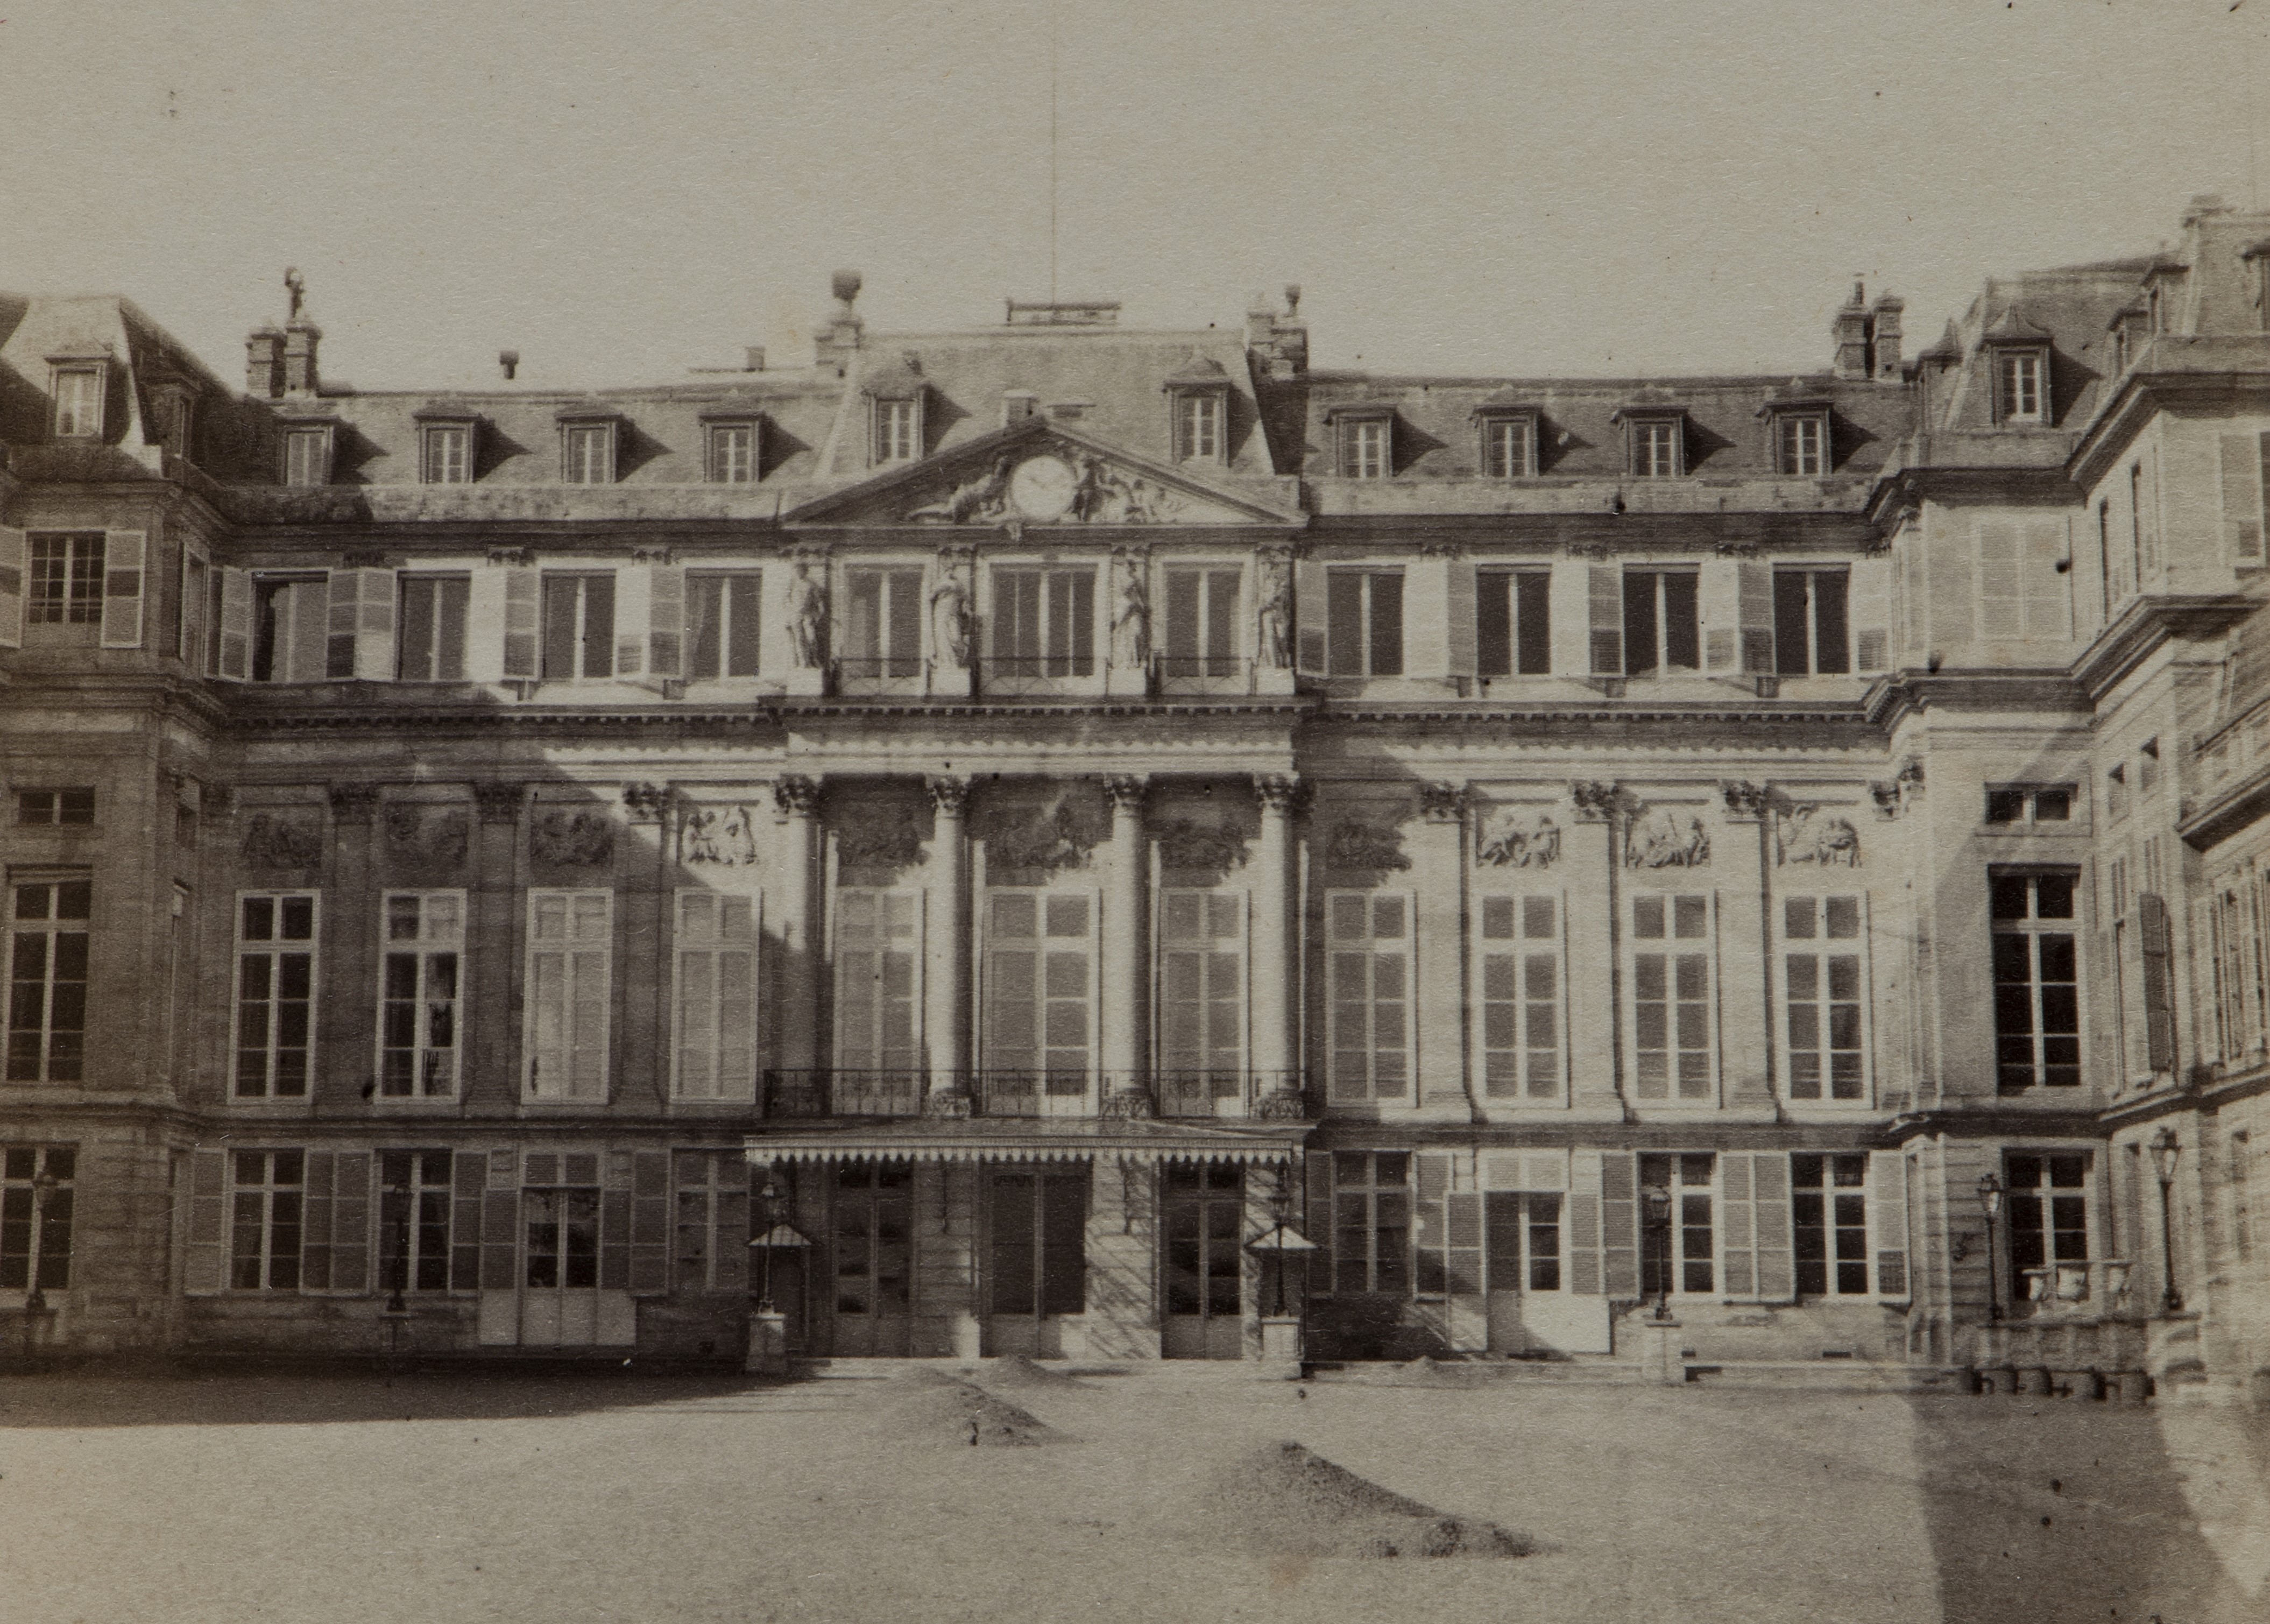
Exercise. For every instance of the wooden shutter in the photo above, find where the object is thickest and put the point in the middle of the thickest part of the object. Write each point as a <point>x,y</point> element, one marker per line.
<point>235,632</point>
<point>125,554</point>
<point>1319,1219</point>
<point>315,1222</point>
<point>522,604</point>
<point>2159,980</point>
<point>730,1246</point>
<point>1607,597</point>
<point>2047,581</point>
<point>468,1175</point>
<point>500,1222</point>
<point>1311,616</point>
<point>1872,614</point>
<point>2243,457</point>
<point>373,624</point>
<point>1719,602</point>
<point>1737,1247</point>
<point>1948,559</point>
<point>2001,583</point>
<point>15,562</point>
<point>1775,1248</point>
<point>1619,1225</point>
<point>616,1197</point>
<point>650,1222</point>
<point>1756,611</point>
<point>206,1253</point>
<point>350,1223</point>
<point>665,637</point>
<point>634,620</point>
<point>1458,617</point>
<point>1584,1223</point>
<point>1887,1210</point>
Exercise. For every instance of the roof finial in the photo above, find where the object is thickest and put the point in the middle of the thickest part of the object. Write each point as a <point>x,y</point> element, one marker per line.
<point>296,286</point>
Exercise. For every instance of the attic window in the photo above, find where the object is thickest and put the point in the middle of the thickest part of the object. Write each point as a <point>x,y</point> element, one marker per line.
<point>588,432</point>
<point>1197,426</point>
<point>78,400</point>
<point>308,454</point>
<point>446,443</point>
<point>732,452</point>
<point>1508,443</point>
<point>898,430</point>
<point>2021,386</point>
<point>1655,443</point>
<point>1364,440</point>
<point>1801,439</point>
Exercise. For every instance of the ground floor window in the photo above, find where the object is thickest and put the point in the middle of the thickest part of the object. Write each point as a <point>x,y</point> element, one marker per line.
<point>1678,1251</point>
<point>872,1237</point>
<point>1039,1243</point>
<point>1829,1213</point>
<point>1371,1221</point>
<point>1204,1206</point>
<point>560,1225</point>
<point>266,1206</point>
<point>36,1216</point>
<point>413,1220</point>
<point>2048,1202</point>
<point>1523,1241</point>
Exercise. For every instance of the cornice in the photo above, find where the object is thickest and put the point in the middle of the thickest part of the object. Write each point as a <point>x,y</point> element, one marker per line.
<point>2237,364</point>
<point>1995,1119</point>
<point>2147,623</point>
<point>1906,692</point>
<point>1906,487</point>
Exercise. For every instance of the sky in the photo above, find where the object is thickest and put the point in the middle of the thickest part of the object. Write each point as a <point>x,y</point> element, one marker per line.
<point>621,191</point>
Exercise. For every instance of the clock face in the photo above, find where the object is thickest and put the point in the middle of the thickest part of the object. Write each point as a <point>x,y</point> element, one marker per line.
<point>1042,487</point>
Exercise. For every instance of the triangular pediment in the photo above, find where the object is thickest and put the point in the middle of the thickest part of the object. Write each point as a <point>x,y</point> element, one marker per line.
<point>1037,473</point>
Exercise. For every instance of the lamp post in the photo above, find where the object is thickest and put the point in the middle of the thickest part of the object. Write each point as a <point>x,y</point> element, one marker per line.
<point>1658,1222</point>
<point>2165,1149</point>
<point>768,1196</point>
<point>43,1187</point>
<point>1990,1199</point>
<point>396,1303</point>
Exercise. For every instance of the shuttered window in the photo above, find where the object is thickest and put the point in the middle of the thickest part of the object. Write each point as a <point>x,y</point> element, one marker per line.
<point>1364,608</point>
<point>1519,960</point>
<point>1368,1004</point>
<point>570,951</point>
<point>1201,1001</point>
<point>1201,625</point>
<point>275,993</point>
<point>1371,1221</point>
<point>2024,592</point>
<point>47,939</point>
<point>1754,1243</point>
<point>709,1222</point>
<point>416,1199</point>
<point>432,628</point>
<point>882,623</point>
<point>722,610</point>
<point>1045,622</point>
<point>1040,988</point>
<point>579,627</point>
<point>1446,1230</point>
<point>2037,979</point>
<point>879,990</point>
<point>1513,625</point>
<point>421,981</point>
<point>1671,998</point>
<point>1824,983</point>
<point>267,1196</point>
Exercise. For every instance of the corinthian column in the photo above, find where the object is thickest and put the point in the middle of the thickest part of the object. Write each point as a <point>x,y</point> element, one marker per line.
<point>1126,957</point>
<point>945,1014</point>
<point>797,800</point>
<point>1276,970</point>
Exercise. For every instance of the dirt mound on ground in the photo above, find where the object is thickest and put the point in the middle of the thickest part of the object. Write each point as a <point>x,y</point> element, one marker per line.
<point>1016,1371</point>
<point>919,1380</point>
<point>1428,1371</point>
<point>1279,1500</point>
<point>941,1410</point>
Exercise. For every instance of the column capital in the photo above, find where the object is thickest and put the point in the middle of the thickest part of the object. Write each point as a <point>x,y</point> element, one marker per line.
<point>354,803</point>
<point>1744,799</point>
<point>1126,790</point>
<point>1441,802</point>
<point>499,802</point>
<point>1279,792</point>
<point>646,802</point>
<point>948,794</point>
<point>1599,802</point>
<point>796,796</point>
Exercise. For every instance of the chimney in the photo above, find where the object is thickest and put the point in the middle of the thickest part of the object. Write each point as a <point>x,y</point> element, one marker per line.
<point>1017,405</point>
<point>1280,343</point>
<point>1884,335</point>
<point>752,358</point>
<point>263,362</point>
<point>1849,332</point>
<point>834,346</point>
<point>301,338</point>
<point>2205,206</point>
<point>508,363</point>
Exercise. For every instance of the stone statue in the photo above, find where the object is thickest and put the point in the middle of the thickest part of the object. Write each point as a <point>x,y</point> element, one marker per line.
<point>1273,619</point>
<point>1130,619</point>
<point>949,616</point>
<point>979,501</point>
<point>807,617</point>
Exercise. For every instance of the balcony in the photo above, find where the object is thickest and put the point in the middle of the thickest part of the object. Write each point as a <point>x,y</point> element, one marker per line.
<point>1066,674</point>
<point>1182,1095</point>
<point>885,673</point>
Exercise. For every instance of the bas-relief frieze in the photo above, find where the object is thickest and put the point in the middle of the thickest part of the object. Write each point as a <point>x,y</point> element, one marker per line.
<point>572,838</point>
<point>1817,835</point>
<point>1356,846</point>
<point>1045,834</point>
<point>718,836</point>
<point>283,840</point>
<point>1189,843</point>
<point>1666,837</point>
<point>1518,837</point>
<point>428,834</point>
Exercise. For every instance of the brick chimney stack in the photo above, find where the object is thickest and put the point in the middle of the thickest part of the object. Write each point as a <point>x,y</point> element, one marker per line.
<point>263,362</point>
<point>1280,343</point>
<point>1884,336</point>
<point>1849,332</point>
<point>301,338</point>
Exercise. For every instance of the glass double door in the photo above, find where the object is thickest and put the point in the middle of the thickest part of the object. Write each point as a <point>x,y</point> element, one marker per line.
<point>1037,1272</point>
<point>1202,1217</point>
<point>871,1248</point>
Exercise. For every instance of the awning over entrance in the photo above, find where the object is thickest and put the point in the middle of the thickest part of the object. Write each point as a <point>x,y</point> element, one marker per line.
<point>1065,1140</point>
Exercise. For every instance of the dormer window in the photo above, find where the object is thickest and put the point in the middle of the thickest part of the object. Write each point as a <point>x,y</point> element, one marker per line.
<point>587,444</point>
<point>1364,437</point>
<point>2019,377</point>
<point>308,454</point>
<point>1508,449</point>
<point>730,443</point>
<point>1655,442</point>
<point>446,443</point>
<point>894,394</point>
<point>898,426</point>
<point>1800,437</point>
<point>78,400</point>
<point>1197,397</point>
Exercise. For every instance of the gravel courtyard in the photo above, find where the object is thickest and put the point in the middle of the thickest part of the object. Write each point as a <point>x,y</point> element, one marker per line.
<point>645,1499</point>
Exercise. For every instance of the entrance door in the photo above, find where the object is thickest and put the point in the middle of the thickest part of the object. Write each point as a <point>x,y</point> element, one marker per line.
<point>1526,1300</point>
<point>1038,1273</point>
<point>872,1255</point>
<point>560,1260</point>
<point>1205,1212</point>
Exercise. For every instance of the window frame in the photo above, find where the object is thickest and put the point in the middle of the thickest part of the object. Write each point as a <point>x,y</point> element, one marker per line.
<point>735,636</point>
<point>1372,622</point>
<point>1365,445</point>
<point>731,448</point>
<point>274,950</point>
<point>1182,1084</point>
<point>442,937</point>
<point>2021,385</point>
<point>40,1252</point>
<point>895,423</point>
<point>577,944</point>
<point>1055,1094</point>
<point>274,1260</point>
<point>1386,1267</point>
<point>55,1051</point>
<point>445,451</point>
<point>734,932</point>
<point>1659,653</point>
<point>1523,947</point>
<point>1811,611</point>
<point>591,648</point>
<point>2029,800</point>
<point>303,468</point>
<point>416,1199</point>
<point>1518,585</point>
<point>2043,1197</point>
<point>1816,947</point>
<point>2035,928</point>
<point>1498,433</point>
<point>1072,624</point>
<point>867,1050</point>
<point>1217,631</point>
<point>1686,1263</point>
<point>875,608</point>
<point>587,450</point>
<point>63,810</point>
<point>1675,1094</point>
<point>1834,1195</point>
<point>82,419</point>
<point>1654,445</point>
<point>1341,1088</point>
<point>1201,426</point>
<point>1790,459</point>
<point>65,589</point>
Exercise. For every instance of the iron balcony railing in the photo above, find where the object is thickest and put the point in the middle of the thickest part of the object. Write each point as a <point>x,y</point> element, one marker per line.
<point>1023,1092</point>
